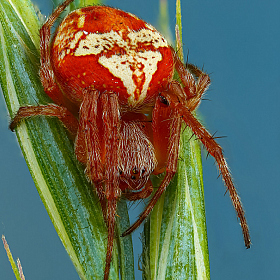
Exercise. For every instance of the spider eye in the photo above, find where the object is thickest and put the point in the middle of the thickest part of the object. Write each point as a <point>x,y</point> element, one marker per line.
<point>135,170</point>
<point>163,100</point>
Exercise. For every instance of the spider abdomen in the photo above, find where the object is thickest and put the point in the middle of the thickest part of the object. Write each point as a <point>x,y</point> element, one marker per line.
<point>111,50</point>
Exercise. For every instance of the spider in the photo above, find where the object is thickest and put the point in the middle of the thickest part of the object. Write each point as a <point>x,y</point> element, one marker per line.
<point>110,75</point>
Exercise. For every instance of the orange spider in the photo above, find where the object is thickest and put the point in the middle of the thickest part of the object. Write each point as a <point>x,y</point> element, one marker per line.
<point>111,77</point>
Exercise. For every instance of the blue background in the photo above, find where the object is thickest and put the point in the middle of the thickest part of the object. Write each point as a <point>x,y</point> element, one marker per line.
<point>238,43</point>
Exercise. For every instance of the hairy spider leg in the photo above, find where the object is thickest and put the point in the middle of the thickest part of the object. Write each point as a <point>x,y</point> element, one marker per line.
<point>196,90</point>
<point>112,190</point>
<point>193,89</point>
<point>46,73</point>
<point>97,147</point>
<point>164,119</point>
<point>51,110</point>
<point>88,146</point>
<point>216,151</point>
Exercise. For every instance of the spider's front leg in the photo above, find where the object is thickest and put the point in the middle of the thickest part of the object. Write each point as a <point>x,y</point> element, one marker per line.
<point>97,147</point>
<point>170,97</point>
<point>193,88</point>
<point>185,100</point>
<point>112,190</point>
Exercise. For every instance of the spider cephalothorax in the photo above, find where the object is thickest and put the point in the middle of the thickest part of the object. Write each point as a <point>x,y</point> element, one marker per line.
<point>111,77</point>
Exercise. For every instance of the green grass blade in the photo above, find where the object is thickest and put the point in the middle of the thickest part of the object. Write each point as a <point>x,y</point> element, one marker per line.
<point>175,239</point>
<point>11,259</point>
<point>163,21</point>
<point>68,197</point>
<point>79,3</point>
<point>125,246</point>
